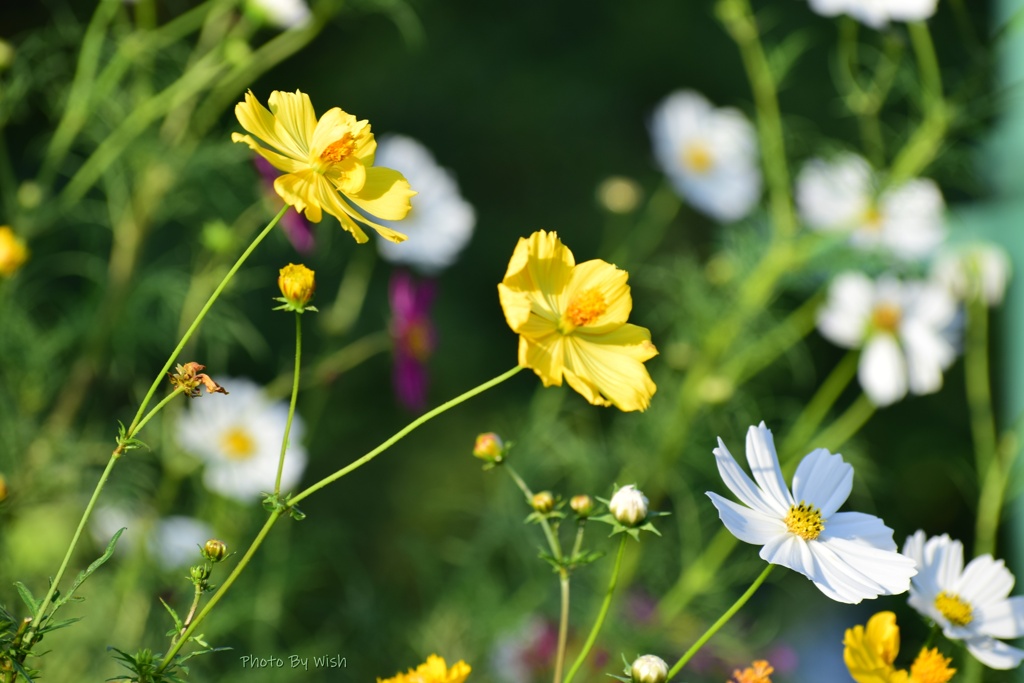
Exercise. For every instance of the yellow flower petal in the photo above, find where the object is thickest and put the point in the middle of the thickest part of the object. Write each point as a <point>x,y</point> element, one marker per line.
<point>258,120</point>
<point>611,371</point>
<point>545,356</point>
<point>302,190</point>
<point>279,161</point>
<point>385,194</point>
<point>293,113</point>
<point>608,284</point>
<point>434,670</point>
<point>869,652</point>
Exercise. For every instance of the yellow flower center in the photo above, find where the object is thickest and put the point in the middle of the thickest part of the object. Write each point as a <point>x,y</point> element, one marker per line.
<point>931,667</point>
<point>953,608</point>
<point>697,157</point>
<point>805,521</point>
<point>339,150</point>
<point>886,317</point>
<point>585,308</point>
<point>872,219</point>
<point>238,444</point>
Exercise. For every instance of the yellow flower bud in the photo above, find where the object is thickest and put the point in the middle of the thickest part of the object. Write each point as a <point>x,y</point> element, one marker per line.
<point>489,447</point>
<point>543,502</point>
<point>13,252</point>
<point>582,505</point>
<point>297,286</point>
<point>215,550</point>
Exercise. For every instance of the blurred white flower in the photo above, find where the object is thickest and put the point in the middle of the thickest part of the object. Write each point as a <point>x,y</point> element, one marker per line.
<point>899,325</point>
<point>440,222</point>
<point>281,13</point>
<point>176,540</point>
<point>849,556</point>
<point>970,603</point>
<point>239,437</point>
<point>710,155</point>
<point>876,13</point>
<point>838,195</point>
<point>974,270</point>
<point>172,542</point>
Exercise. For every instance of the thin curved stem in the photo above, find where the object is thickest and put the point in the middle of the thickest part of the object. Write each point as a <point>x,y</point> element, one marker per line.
<point>722,620</point>
<point>602,613</point>
<point>291,404</point>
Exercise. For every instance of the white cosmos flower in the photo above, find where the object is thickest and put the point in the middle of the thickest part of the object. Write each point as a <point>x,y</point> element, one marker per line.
<point>281,13</point>
<point>969,603</point>
<point>440,222</point>
<point>974,270</point>
<point>876,13</point>
<point>838,195</point>
<point>710,155</point>
<point>850,556</point>
<point>239,437</point>
<point>901,328</point>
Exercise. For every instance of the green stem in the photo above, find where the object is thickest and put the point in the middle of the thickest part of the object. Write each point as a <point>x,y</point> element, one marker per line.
<point>698,575</point>
<point>202,314</point>
<point>979,387</point>
<point>993,493</point>
<point>191,611</point>
<point>602,613</point>
<point>677,667</point>
<point>846,425</point>
<point>422,419</point>
<point>739,21</point>
<point>37,620</point>
<point>291,404</point>
<point>277,512</point>
<point>924,143</point>
<point>149,416</point>
<point>821,403</point>
<point>274,516</point>
<point>563,625</point>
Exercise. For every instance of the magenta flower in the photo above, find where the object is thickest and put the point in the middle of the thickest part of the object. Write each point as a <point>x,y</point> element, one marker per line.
<point>296,227</point>
<point>414,336</point>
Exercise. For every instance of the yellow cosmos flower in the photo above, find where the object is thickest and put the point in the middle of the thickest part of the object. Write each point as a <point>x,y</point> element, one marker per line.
<point>434,670</point>
<point>571,322</point>
<point>328,163</point>
<point>13,252</point>
<point>869,653</point>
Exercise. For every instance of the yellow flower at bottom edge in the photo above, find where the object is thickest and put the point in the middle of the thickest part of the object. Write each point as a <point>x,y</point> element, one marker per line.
<point>328,163</point>
<point>571,321</point>
<point>869,653</point>
<point>434,670</point>
<point>13,252</point>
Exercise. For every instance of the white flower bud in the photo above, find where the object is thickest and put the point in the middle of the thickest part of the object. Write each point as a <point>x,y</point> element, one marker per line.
<point>649,669</point>
<point>629,506</point>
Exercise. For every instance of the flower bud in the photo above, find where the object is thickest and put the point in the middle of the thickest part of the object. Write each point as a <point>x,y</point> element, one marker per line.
<point>214,550</point>
<point>649,669</point>
<point>629,506</point>
<point>582,505</point>
<point>489,447</point>
<point>13,252</point>
<point>543,502</point>
<point>297,286</point>
<point>200,573</point>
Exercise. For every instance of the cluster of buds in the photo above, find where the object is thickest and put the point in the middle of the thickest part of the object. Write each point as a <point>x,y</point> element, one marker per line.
<point>297,284</point>
<point>190,380</point>
<point>213,551</point>
<point>199,575</point>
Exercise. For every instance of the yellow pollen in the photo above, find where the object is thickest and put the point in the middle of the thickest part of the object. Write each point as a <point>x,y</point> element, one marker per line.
<point>886,317</point>
<point>339,150</point>
<point>760,672</point>
<point>805,521</point>
<point>952,607</point>
<point>238,444</point>
<point>697,158</point>
<point>585,308</point>
<point>931,667</point>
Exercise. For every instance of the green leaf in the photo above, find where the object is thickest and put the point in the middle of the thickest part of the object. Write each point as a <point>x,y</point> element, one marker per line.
<point>174,615</point>
<point>59,625</point>
<point>27,597</point>
<point>85,574</point>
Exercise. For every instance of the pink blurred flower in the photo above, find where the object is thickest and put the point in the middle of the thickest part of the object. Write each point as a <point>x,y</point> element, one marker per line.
<point>414,336</point>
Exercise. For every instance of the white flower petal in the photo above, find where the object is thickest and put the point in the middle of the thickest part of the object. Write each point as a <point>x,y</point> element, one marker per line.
<point>882,370</point>
<point>994,654</point>
<point>927,355</point>
<point>984,581</point>
<point>1000,619</point>
<point>834,195</point>
<point>860,527</point>
<point>844,318</point>
<point>750,526</point>
<point>823,480</point>
<point>764,465</point>
<point>741,485</point>
<point>884,572</point>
